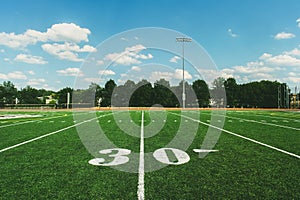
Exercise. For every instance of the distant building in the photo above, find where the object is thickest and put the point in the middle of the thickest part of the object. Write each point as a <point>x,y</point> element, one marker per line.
<point>51,100</point>
<point>295,100</point>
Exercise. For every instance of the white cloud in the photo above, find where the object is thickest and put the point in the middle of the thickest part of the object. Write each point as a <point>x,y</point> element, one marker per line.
<point>179,73</point>
<point>2,50</point>
<point>156,75</point>
<point>67,51</point>
<point>3,76</point>
<point>100,62</point>
<point>284,35</point>
<point>124,39</point>
<point>93,80</point>
<point>68,32</point>
<point>17,75</point>
<point>26,58</point>
<point>265,56</point>
<point>6,59</point>
<point>63,32</point>
<point>231,33</point>
<point>292,79</point>
<point>294,52</point>
<point>36,82</point>
<point>174,59</point>
<point>283,60</point>
<point>31,72</point>
<point>253,67</point>
<point>129,56</point>
<point>106,72</point>
<point>169,76</point>
<point>135,68</point>
<point>298,22</point>
<point>70,72</point>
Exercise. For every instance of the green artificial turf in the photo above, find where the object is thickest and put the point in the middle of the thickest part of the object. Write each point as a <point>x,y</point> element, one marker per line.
<point>57,166</point>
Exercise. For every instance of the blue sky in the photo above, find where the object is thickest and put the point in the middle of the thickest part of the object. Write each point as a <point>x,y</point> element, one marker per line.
<point>45,43</point>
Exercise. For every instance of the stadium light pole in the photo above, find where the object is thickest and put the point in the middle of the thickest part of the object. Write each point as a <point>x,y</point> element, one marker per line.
<point>183,40</point>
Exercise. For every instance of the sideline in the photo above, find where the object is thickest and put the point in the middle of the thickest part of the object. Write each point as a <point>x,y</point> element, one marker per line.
<point>240,136</point>
<point>52,133</point>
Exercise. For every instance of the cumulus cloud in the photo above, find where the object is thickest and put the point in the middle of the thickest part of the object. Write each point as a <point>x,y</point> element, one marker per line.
<point>294,52</point>
<point>179,73</point>
<point>36,82</point>
<point>298,22</point>
<point>27,58</point>
<point>70,72</point>
<point>68,32</point>
<point>169,76</point>
<point>284,59</point>
<point>135,68</point>
<point>231,33</point>
<point>17,75</point>
<point>63,32</point>
<point>106,72</point>
<point>67,51</point>
<point>174,59</point>
<point>131,55</point>
<point>284,35</point>
<point>93,80</point>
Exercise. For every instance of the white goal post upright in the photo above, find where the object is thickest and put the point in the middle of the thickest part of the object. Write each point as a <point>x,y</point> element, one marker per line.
<point>68,100</point>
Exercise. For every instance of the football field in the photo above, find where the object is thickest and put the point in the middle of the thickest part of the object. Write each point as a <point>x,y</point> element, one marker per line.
<point>150,154</point>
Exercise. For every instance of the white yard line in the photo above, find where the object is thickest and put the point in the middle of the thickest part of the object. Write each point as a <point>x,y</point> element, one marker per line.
<point>52,133</point>
<point>272,117</point>
<point>240,136</point>
<point>253,121</point>
<point>25,122</point>
<point>141,183</point>
<point>36,120</point>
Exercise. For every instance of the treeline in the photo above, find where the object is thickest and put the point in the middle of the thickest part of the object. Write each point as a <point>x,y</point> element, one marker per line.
<point>224,93</point>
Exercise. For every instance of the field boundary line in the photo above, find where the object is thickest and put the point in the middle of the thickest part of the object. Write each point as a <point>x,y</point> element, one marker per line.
<point>240,136</point>
<point>272,117</point>
<point>253,121</point>
<point>52,133</point>
<point>141,183</point>
<point>31,121</point>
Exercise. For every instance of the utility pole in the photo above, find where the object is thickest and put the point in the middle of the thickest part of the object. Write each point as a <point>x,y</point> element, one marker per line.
<point>183,40</point>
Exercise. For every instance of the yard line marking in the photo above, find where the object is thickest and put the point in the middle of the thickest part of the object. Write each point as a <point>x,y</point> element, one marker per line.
<point>259,122</point>
<point>31,121</point>
<point>205,150</point>
<point>141,184</point>
<point>240,136</point>
<point>266,116</point>
<point>52,133</point>
<point>25,122</point>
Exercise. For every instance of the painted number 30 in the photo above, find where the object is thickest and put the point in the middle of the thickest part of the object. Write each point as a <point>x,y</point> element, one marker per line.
<point>118,156</point>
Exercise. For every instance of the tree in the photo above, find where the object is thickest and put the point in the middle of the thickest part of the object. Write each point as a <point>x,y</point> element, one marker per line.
<point>8,93</point>
<point>143,95</point>
<point>218,94</point>
<point>107,92</point>
<point>232,93</point>
<point>202,92</point>
<point>163,94</point>
<point>123,93</point>
<point>62,96</point>
<point>30,95</point>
